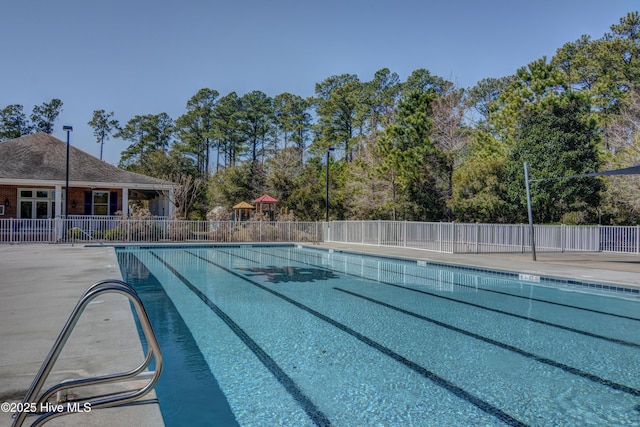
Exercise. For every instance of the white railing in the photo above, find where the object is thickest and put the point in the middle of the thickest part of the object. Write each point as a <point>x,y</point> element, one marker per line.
<point>117,229</point>
<point>451,237</point>
<point>29,230</point>
<point>448,237</point>
<point>620,239</point>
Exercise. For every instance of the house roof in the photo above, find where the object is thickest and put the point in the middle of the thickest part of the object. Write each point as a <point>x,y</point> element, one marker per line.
<point>265,198</point>
<point>40,158</point>
<point>243,205</point>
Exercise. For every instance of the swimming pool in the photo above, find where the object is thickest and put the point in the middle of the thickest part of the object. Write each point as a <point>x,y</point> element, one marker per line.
<point>294,336</point>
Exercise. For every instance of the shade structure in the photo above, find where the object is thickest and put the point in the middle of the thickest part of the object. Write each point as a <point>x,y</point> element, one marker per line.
<point>265,198</point>
<point>631,170</point>
<point>241,211</point>
<point>266,204</point>
<point>243,205</point>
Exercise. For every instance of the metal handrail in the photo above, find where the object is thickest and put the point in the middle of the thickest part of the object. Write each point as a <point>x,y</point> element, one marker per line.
<point>102,379</point>
<point>32,400</point>
<point>73,238</point>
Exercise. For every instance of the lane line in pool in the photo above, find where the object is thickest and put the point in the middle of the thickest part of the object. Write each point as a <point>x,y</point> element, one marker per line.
<point>495,310</point>
<point>318,418</point>
<point>566,368</point>
<point>505,346</point>
<point>462,285</point>
<point>196,398</point>
<point>440,381</point>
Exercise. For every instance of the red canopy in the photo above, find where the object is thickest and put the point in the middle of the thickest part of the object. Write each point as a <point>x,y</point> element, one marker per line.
<point>265,198</point>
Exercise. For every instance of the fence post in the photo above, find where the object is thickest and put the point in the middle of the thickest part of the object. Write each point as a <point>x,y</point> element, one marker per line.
<point>404,236</point>
<point>637,239</point>
<point>453,237</point>
<point>440,237</point>
<point>563,234</point>
<point>477,236</point>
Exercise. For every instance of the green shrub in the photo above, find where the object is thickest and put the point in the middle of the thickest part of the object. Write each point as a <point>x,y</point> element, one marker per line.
<point>74,233</point>
<point>113,234</point>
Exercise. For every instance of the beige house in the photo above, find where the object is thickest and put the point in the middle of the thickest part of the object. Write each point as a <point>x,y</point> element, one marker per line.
<point>33,174</point>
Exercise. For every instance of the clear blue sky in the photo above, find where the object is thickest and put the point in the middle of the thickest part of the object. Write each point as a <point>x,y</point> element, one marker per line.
<point>146,57</point>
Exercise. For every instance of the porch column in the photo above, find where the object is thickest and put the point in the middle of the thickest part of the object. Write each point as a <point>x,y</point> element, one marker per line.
<point>125,202</point>
<point>58,202</point>
<point>57,214</point>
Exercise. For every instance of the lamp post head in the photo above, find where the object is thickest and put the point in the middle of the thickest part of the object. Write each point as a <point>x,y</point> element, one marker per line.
<point>67,128</point>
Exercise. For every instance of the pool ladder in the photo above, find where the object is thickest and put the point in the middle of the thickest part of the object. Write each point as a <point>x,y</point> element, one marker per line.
<point>32,400</point>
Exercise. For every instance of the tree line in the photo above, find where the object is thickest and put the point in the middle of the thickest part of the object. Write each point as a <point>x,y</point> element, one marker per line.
<point>422,149</point>
<point>14,122</point>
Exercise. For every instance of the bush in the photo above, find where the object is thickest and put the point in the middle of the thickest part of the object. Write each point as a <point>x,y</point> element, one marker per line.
<point>74,233</point>
<point>114,234</point>
<point>179,231</point>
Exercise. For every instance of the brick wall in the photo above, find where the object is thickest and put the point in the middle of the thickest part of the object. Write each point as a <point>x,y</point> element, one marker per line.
<point>9,192</point>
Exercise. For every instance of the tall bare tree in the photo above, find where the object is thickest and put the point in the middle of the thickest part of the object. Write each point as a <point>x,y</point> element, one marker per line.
<point>186,192</point>
<point>103,126</point>
<point>448,131</point>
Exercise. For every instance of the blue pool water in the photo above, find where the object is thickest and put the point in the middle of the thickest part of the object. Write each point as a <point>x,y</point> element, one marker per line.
<point>293,336</point>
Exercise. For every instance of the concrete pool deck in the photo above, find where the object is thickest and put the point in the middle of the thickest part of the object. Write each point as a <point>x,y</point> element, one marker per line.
<point>41,283</point>
<point>39,287</point>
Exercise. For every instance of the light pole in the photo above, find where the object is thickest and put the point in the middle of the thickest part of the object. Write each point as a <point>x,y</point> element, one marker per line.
<point>67,129</point>
<point>326,200</point>
<point>531,235</point>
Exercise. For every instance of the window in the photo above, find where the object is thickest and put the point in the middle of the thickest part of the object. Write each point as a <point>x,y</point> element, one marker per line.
<point>101,203</point>
<point>26,209</point>
<point>36,203</point>
<point>1,209</point>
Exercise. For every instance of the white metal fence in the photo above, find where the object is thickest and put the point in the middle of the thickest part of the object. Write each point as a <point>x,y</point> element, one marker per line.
<point>448,237</point>
<point>452,237</point>
<point>115,229</point>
